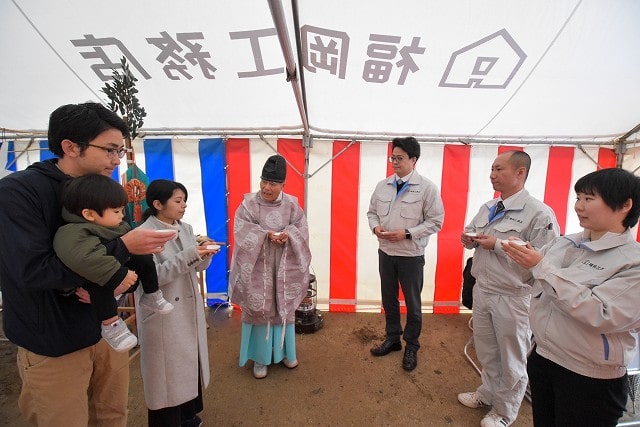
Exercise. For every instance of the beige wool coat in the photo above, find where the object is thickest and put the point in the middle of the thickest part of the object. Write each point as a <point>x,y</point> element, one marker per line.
<point>172,344</point>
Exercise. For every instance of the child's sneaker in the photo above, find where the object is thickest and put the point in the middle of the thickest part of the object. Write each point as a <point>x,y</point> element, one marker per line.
<point>119,336</point>
<point>156,302</point>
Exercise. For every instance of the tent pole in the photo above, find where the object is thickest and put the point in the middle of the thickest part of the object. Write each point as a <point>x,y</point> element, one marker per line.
<point>277,14</point>
<point>296,26</point>
<point>621,145</point>
<point>306,142</point>
<point>280,23</point>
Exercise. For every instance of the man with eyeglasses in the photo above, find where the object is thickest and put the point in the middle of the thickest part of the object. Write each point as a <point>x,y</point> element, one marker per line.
<point>70,376</point>
<point>404,211</point>
<point>112,153</point>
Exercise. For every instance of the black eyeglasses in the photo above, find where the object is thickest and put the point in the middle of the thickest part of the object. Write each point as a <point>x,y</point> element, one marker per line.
<point>111,152</point>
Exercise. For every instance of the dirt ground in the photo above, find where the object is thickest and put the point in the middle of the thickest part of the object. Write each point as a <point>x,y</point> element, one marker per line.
<point>337,383</point>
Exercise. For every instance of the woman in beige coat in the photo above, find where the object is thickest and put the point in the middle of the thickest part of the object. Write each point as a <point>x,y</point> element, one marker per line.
<point>174,358</point>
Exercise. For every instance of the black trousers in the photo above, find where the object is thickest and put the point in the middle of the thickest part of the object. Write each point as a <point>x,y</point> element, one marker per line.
<point>562,398</point>
<point>102,300</point>
<point>177,416</point>
<point>405,272</point>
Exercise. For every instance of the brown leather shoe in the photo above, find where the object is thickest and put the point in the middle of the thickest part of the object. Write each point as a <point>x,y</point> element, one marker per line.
<point>410,359</point>
<point>385,348</point>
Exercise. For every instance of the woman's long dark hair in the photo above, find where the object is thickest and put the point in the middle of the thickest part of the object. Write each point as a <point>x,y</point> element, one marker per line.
<point>161,190</point>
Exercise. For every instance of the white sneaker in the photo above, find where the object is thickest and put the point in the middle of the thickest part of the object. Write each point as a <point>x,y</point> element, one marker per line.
<point>492,419</point>
<point>259,370</point>
<point>119,336</point>
<point>290,363</point>
<point>471,400</point>
<point>156,302</point>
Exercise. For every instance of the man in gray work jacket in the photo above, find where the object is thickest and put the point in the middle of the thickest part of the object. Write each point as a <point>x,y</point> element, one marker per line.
<point>501,296</point>
<point>405,210</point>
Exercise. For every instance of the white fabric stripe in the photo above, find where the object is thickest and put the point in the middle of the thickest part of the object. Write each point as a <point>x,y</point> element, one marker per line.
<point>319,214</point>
<point>480,189</point>
<point>429,165</point>
<point>631,162</point>
<point>537,179</point>
<point>26,157</point>
<point>138,151</point>
<point>582,165</point>
<point>632,159</point>
<point>186,170</point>
<point>373,168</point>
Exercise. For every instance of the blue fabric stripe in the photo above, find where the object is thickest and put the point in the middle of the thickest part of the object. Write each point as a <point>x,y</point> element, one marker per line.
<point>158,159</point>
<point>44,150</point>
<point>213,163</point>
<point>11,156</point>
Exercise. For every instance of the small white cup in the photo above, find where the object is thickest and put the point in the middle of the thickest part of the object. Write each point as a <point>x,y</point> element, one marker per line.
<point>165,231</point>
<point>471,234</point>
<point>168,232</point>
<point>515,242</point>
<point>213,247</point>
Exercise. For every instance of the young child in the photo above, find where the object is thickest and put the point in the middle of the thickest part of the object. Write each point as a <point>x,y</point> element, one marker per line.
<point>93,206</point>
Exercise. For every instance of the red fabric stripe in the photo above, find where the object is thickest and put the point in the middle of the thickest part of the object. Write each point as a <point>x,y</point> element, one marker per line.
<point>454,190</point>
<point>345,183</point>
<point>293,151</point>
<point>238,178</point>
<point>606,158</point>
<point>558,182</point>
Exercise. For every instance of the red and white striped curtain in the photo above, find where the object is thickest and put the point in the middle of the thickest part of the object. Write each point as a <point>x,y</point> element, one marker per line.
<point>341,177</point>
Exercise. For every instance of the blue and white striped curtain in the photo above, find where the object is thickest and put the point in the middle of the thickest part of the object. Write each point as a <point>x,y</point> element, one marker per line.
<point>198,164</point>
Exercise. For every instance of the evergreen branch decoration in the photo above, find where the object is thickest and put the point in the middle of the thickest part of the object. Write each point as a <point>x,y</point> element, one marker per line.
<point>123,99</point>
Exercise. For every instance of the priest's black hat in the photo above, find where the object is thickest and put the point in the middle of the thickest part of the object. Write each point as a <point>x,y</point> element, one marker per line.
<point>274,169</point>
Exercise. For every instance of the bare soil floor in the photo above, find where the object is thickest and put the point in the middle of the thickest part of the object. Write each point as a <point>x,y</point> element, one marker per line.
<point>338,382</point>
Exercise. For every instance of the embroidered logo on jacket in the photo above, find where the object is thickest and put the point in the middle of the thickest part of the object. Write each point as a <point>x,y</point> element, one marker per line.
<point>588,263</point>
<point>510,218</point>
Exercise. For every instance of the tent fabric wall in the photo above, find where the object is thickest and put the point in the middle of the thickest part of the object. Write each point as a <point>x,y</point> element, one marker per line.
<point>558,79</point>
<point>560,70</point>
<point>341,178</point>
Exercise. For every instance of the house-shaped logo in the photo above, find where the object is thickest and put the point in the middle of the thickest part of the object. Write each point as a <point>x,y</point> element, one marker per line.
<point>489,63</point>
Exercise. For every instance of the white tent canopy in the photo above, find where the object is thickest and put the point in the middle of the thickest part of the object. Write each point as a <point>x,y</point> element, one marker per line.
<point>558,79</point>
<point>547,71</point>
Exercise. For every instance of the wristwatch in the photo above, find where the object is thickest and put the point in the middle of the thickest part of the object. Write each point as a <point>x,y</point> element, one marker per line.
<point>407,235</point>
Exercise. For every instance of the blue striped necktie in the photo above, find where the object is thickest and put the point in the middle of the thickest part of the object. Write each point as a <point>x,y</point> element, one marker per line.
<point>498,208</point>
